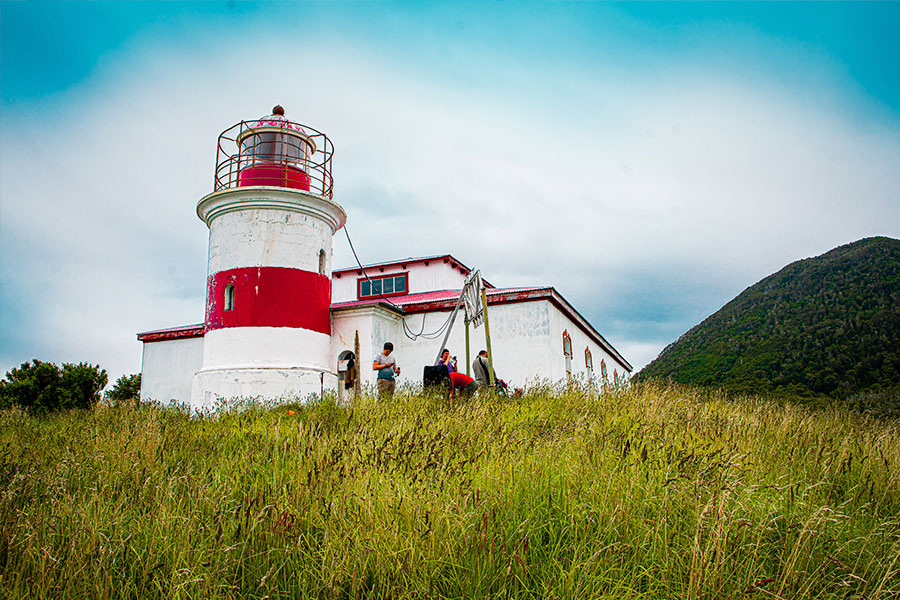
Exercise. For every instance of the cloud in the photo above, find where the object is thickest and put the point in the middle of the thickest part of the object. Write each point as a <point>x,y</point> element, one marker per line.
<point>647,201</point>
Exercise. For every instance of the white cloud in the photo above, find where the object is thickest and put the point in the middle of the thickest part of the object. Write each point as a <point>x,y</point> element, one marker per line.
<point>704,182</point>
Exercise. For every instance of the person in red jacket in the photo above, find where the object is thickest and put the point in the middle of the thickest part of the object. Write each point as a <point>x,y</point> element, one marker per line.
<point>465,384</point>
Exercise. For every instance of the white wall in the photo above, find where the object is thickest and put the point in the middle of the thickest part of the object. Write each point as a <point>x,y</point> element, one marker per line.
<point>167,368</point>
<point>559,323</point>
<point>241,347</point>
<point>521,341</point>
<point>294,384</point>
<point>266,226</point>
<point>376,325</point>
<point>268,238</point>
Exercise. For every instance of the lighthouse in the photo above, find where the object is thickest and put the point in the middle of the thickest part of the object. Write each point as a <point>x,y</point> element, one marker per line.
<point>281,324</point>
<point>271,219</point>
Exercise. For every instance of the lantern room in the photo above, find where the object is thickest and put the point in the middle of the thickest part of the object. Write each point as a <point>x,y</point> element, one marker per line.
<point>274,151</point>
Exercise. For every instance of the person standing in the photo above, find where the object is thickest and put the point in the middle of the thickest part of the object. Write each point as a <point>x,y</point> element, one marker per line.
<point>387,368</point>
<point>481,368</point>
<point>445,360</point>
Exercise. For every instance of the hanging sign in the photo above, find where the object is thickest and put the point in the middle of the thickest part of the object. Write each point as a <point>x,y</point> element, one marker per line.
<point>472,298</point>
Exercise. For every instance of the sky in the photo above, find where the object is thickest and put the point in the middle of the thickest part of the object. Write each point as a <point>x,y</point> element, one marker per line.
<point>648,160</point>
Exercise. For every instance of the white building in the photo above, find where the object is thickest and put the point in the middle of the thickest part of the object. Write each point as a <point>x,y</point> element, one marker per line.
<point>278,327</point>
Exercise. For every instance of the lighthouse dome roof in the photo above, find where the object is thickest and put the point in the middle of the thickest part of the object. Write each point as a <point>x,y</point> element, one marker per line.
<point>277,119</point>
<point>274,122</point>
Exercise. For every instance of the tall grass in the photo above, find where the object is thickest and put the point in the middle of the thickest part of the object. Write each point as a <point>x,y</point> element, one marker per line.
<point>650,492</point>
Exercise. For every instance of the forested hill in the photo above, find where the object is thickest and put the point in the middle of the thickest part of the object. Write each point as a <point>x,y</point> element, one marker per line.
<point>828,325</point>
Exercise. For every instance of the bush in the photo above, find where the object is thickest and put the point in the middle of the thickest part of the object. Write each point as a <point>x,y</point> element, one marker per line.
<point>41,386</point>
<point>127,388</point>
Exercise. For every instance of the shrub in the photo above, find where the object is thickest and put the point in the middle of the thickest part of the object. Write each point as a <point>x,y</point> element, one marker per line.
<point>41,386</point>
<point>126,388</point>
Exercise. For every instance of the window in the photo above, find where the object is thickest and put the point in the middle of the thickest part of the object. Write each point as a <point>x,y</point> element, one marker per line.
<point>602,368</point>
<point>229,296</point>
<point>588,359</point>
<point>567,344</point>
<point>390,285</point>
<point>321,262</point>
<point>275,146</point>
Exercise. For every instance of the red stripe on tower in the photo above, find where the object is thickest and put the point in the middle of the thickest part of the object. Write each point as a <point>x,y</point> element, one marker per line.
<point>268,297</point>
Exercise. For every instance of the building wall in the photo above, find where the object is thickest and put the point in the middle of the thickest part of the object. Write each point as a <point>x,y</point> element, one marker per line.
<point>437,275</point>
<point>167,368</point>
<point>365,320</point>
<point>561,323</point>
<point>526,339</point>
<point>521,336</point>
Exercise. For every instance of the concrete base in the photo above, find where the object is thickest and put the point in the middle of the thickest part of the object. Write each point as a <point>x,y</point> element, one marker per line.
<point>278,385</point>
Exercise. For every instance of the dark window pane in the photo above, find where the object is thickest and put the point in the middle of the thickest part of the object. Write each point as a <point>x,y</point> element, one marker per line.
<point>267,149</point>
<point>376,286</point>
<point>249,145</point>
<point>388,285</point>
<point>400,284</point>
<point>292,148</point>
<point>229,297</point>
<point>364,289</point>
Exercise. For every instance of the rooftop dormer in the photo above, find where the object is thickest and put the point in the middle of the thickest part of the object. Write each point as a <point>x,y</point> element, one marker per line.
<point>399,278</point>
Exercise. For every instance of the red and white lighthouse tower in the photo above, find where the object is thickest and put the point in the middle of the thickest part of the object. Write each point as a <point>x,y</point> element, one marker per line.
<point>271,220</point>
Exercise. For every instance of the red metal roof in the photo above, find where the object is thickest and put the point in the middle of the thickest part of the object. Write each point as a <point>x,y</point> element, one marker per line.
<point>427,300</point>
<point>172,333</point>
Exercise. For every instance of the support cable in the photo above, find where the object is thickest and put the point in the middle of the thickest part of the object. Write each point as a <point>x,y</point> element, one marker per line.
<point>409,333</point>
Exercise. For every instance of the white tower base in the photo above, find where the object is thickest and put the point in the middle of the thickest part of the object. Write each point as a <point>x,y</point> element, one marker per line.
<point>268,364</point>
<point>260,384</point>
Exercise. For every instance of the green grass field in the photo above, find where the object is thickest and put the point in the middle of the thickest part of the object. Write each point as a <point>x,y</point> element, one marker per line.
<point>648,492</point>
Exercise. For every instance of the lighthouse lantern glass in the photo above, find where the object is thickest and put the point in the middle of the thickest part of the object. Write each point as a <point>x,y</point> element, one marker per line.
<point>275,146</point>
<point>274,152</point>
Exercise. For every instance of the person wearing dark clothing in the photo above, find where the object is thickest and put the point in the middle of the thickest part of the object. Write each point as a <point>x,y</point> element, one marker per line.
<point>387,368</point>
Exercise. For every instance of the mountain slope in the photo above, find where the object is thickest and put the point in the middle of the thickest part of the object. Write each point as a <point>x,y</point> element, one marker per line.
<point>828,325</point>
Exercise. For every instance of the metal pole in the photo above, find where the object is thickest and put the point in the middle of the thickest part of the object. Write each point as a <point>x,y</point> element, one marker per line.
<point>487,335</point>
<point>468,360</point>
<point>357,386</point>
<point>450,326</point>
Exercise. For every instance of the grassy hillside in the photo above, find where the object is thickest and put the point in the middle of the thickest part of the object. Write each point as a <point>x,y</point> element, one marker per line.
<point>652,492</point>
<point>825,326</point>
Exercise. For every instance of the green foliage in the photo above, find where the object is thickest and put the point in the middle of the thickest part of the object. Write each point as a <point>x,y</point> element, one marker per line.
<point>646,492</point>
<point>823,327</point>
<point>127,388</point>
<point>41,387</point>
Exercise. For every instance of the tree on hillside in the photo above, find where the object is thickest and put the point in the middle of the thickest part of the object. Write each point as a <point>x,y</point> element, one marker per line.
<point>40,386</point>
<point>827,326</point>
